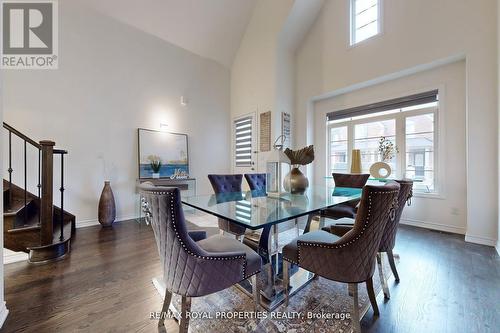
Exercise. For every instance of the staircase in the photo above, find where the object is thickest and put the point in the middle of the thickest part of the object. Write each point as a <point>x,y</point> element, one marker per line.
<point>32,223</point>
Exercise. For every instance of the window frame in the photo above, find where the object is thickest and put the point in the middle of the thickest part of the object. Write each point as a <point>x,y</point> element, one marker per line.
<point>401,163</point>
<point>352,23</point>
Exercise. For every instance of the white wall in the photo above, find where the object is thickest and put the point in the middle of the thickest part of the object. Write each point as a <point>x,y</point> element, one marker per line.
<point>451,207</point>
<point>416,33</point>
<point>498,89</point>
<point>112,79</point>
<point>263,73</point>
<point>254,74</point>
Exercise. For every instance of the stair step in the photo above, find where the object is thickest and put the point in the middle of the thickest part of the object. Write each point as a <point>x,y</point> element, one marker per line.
<point>26,228</point>
<point>19,222</point>
<point>57,233</point>
<point>15,207</point>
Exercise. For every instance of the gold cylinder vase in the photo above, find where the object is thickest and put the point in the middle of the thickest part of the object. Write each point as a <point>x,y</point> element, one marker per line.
<point>356,161</point>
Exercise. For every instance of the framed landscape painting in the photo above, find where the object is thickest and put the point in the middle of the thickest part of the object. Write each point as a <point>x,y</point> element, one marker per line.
<point>170,148</point>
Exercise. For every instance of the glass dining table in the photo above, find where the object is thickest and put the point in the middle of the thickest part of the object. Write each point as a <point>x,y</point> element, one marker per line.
<point>261,215</point>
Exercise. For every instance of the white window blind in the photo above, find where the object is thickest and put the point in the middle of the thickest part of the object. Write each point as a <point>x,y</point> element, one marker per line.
<point>365,20</point>
<point>411,125</point>
<point>243,131</point>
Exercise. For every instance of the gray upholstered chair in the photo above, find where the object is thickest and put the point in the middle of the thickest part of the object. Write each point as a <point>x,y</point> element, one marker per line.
<point>350,258</point>
<point>194,265</point>
<point>349,208</point>
<point>228,184</point>
<point>388,238</point>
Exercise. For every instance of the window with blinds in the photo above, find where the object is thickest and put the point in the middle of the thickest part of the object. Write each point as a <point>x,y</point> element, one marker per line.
<point>365,19</point>
<point>409,122</point>
<point>243,131</point>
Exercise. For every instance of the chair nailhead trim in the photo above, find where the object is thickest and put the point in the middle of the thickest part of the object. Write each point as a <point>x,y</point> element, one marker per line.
<point>171,200</point>
<point>352,241</point>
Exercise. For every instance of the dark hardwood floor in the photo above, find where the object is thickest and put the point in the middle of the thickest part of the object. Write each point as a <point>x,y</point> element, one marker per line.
<point>447,285</point>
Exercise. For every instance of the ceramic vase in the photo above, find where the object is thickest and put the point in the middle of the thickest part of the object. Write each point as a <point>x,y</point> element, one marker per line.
<point>356,161</point>
<point>107,207</point>
<point>377,166</point>
<point>295,182</point>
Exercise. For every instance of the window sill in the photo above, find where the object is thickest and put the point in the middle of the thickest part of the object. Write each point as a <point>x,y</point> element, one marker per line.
<point>438,196</point>
<point>367,41</point>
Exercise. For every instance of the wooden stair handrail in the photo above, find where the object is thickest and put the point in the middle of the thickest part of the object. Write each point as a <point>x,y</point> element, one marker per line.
<point>46,153</point>
<point>21,135</point>
<point>29,140</point>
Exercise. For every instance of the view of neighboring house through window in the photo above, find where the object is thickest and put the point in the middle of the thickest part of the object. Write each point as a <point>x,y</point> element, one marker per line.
<point>412,129</point>
<point>366,139</point>
<point>338,149</point>
<point>420,148</point>
<point>365,19</point>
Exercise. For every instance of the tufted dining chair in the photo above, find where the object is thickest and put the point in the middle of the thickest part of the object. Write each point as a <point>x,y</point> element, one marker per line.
<point>256,181</point>
<point>257,184</point>
<point>193,265</point>
<point>388,238</point>
<point>228,184</point>
<point>347,209</point>
<point>351,258</point>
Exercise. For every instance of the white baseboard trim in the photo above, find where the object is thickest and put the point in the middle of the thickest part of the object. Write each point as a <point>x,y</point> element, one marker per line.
<point>10,257</point>
<point>434,226</point>
<point>86,223</point>
<point>91,223</point>
<point>3,313</point>
<point>480,240</point>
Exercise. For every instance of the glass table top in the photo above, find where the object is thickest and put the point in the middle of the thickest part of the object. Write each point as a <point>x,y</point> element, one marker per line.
<point>384,180</point>
<point>255,210</point>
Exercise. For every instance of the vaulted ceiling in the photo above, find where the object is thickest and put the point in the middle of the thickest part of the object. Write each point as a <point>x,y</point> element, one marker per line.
<point>210,28</point>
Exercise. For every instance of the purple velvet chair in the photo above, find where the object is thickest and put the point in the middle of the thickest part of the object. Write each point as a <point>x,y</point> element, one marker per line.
<point>348,209</point>
<point>351,258</point>
<point>194,265</point>
<point>388,241</point>
<point>256,181</point>
<point>228,184</point>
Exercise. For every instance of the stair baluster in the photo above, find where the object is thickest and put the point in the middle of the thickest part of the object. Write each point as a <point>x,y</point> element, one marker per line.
<point>61,238</point>
<point>39,185</point>
<point>10,169</point>
<point>25,184</point>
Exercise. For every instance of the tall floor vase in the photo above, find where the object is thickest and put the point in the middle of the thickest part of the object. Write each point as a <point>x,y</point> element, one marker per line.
<point>107,207</point>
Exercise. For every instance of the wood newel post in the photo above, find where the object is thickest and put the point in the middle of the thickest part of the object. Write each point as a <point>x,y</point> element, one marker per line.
<point>47,207</point>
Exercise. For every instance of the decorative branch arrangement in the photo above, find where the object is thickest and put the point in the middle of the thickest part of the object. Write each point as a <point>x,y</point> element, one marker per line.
<point>155,163</point>
<point>302,156</point>
<point>387,149</point>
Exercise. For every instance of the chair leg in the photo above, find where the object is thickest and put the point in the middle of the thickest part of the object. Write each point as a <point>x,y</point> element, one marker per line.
<point>371,295</point>
<point>286,280</point>
<point>221,232</point>
<point>390,256</point>
<point>355,321</point>
<point>383,280</point>
<point>308,224</point>
<point>164,309</point>
<point>185,308</point>
<point>255,291</point>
